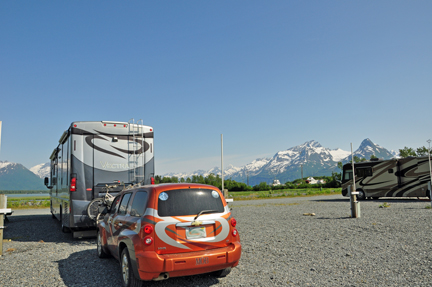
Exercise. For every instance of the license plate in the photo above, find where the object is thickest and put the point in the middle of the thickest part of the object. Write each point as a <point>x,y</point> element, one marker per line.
<point>195,232</point>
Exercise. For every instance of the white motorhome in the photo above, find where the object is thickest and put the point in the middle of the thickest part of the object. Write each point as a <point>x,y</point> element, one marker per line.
<point>90,156</point>
<point>404,177</point>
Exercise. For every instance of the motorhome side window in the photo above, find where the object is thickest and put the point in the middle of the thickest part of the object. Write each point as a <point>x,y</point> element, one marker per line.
<point>363,172</point>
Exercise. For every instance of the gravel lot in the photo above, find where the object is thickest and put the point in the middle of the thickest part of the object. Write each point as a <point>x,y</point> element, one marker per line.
<point>385,247</point>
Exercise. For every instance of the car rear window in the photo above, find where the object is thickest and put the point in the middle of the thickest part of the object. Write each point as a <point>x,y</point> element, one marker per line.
<point>188,202</point>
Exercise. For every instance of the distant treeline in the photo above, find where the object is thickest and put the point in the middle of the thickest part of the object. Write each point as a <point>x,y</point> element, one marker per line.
<point>232,185</point>
<point>23,191</point>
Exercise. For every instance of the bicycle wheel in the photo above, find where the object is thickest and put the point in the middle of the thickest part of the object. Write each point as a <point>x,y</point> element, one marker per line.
<point>93,208</point>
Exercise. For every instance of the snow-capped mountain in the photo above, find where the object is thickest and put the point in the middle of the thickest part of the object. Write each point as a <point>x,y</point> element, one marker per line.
<point>287,165</point>
<point>368,148</point>
<point>14,176</point>
<point>42,170</point>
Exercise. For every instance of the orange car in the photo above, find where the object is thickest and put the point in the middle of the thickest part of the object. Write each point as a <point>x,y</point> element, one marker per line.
<point>169,230</point>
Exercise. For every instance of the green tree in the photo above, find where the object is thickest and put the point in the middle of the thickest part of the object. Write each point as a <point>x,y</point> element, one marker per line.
<point>422,151</point>
<point>407,151</point>
<point>358,159</point>
<point>372,156</point>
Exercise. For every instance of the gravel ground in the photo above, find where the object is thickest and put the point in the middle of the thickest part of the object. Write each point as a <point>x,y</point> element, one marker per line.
<point>385,247</point>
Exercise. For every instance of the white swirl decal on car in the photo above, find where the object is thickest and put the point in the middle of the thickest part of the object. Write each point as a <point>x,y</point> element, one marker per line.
<point>161,227</point>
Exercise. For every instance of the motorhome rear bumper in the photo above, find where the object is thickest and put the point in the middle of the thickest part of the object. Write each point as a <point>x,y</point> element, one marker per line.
<point>150,264</point>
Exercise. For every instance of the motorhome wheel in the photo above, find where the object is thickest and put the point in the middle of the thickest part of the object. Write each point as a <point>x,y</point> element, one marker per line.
<point>361,195</point>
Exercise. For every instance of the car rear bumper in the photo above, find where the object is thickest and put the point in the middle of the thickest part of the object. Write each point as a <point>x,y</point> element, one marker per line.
<point>151,265</point>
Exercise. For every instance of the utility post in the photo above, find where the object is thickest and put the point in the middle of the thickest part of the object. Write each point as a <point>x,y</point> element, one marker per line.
<point>301,166</point>
<point>355,205</point>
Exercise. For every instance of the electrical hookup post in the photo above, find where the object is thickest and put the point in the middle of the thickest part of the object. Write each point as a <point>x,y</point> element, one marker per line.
<point>355,205</point>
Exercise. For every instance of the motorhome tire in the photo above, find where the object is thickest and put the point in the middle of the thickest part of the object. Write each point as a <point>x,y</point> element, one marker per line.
<point>361,195</point>
<point>128,276</point>
<point>93,208</point>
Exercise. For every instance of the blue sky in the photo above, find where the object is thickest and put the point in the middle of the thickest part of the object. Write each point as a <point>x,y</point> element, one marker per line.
<point>268,75</point>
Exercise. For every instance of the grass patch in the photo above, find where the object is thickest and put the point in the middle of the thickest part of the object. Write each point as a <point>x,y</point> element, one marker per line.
<point>384,205</point>
<point>28,202</point>
<point>251,195</point>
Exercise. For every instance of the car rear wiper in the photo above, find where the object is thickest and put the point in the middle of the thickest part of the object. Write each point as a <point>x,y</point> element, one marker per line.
<point>204,211</point>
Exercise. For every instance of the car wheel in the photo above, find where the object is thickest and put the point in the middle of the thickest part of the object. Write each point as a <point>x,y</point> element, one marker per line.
<point>100,251</point>
<point>222,273</point>
<point>361,195</point>
<point>128,276</point>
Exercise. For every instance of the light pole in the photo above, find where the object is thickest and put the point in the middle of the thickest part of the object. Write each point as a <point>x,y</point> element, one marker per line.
<point>430,170</point>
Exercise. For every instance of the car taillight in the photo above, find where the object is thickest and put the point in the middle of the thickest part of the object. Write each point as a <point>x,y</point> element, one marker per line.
<point>148,229</point>
<point>73,184</point>
<point>233,222</point>
<point>234,232</point>
<point>152,180</point>
<point>148,240</point>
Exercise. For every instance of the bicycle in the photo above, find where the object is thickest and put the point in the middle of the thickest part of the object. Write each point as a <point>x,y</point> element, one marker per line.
<point>93,207</point>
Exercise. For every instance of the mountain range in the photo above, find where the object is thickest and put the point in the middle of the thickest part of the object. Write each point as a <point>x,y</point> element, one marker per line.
<point>15,176</point>
<point>286,165</point>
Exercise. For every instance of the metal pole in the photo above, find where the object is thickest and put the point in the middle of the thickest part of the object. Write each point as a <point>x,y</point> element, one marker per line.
<point>353,169</point>
<point>430,172</point>
<point>222,174</point>
<point>3,203</point>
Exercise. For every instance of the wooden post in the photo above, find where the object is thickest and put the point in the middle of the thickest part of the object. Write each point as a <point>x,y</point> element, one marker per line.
<point>2,206</point>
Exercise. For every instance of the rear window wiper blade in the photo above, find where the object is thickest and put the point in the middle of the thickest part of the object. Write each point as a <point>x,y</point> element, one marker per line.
<point>204,211</point>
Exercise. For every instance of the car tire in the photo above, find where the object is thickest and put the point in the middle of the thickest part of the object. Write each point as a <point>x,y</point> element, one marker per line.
<point>100,247</point>
<point>361,195</point>
<point>128,276</point>
<point>222,273</point>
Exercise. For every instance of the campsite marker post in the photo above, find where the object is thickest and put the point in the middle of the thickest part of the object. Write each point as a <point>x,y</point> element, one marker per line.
<point>355,205</point>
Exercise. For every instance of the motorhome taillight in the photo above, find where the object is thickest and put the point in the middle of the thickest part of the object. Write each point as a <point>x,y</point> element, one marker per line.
<point>73,184</point>
<point>148,240</point>
<point>148,229</point>
<point>152,180</point>
<point>233,222</point>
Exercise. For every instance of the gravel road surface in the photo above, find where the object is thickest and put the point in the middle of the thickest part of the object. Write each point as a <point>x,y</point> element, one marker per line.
<point>385,247</point>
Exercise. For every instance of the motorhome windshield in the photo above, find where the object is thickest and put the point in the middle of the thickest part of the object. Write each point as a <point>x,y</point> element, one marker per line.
<point>348,175</point>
